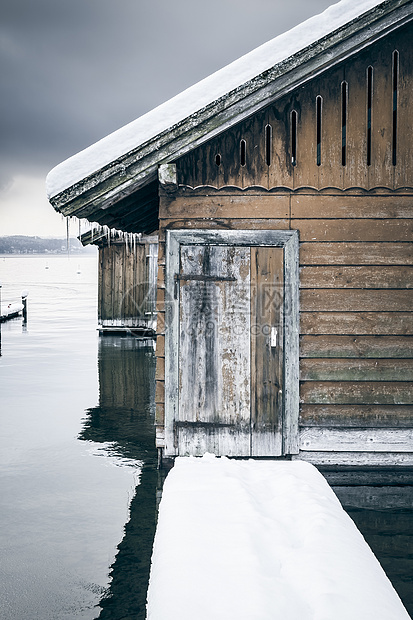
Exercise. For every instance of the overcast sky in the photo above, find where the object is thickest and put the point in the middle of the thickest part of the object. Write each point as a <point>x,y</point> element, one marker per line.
<point>73,71</point>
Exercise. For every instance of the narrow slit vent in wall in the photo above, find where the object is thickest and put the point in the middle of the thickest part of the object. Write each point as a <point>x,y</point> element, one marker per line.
<point>243,152</point>
<point>294,138</point>
<point>268,144</point>
<point>319,103</point>
<point>218,159</point>
<point>369,109</point>
<point>395,93</point>
<point>344,99</point>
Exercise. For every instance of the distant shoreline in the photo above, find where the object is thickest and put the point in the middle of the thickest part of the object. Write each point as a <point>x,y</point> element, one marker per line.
<point>21,245</point>
<point>83,253</point>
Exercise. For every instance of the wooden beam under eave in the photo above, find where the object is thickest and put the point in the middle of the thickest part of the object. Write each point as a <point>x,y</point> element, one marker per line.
<point>135,222</point>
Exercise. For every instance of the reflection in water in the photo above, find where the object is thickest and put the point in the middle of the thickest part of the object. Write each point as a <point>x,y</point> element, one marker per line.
<point>125,419</point>
<point>125,414</point>
<point>380,502</point>
<point>22,320</point>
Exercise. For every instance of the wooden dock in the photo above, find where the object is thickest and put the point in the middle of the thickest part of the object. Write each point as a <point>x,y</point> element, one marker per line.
<point>12,312</point>
<point>262,540</point>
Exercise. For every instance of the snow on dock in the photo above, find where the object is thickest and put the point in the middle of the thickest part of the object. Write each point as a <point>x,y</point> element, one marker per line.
<point>258,540</point>
<point>13,311</point>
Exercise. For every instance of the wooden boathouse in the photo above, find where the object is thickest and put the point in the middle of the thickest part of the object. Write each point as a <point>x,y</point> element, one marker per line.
<point>127,276</point>
<point>281,191</point>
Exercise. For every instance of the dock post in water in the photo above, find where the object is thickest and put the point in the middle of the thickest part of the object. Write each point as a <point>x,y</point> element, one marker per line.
<point>25,295</point>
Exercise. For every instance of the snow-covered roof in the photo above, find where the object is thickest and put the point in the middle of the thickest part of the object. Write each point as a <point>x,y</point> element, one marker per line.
<point>133,153</point>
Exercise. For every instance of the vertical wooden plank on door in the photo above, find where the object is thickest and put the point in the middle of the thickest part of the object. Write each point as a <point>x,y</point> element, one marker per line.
<point>266,350</point>
<point>214,351</point>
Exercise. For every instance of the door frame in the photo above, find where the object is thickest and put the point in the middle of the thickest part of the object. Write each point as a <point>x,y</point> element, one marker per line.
<point>286,239</point>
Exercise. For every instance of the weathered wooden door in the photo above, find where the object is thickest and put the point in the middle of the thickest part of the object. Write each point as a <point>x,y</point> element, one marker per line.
<point>230,350</point>
<point>229,358</point>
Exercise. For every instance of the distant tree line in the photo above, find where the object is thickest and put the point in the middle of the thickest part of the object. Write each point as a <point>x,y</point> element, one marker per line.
<point>20,244</point>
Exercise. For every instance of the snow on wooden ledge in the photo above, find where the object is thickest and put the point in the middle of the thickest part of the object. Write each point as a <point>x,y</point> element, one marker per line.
<point>245,539</point>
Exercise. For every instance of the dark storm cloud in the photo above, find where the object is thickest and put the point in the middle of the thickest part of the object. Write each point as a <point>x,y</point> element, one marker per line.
<point>74,70</point>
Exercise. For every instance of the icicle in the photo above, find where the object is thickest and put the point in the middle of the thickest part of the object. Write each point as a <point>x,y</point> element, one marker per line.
<point>67,236</point>
<point>80,227</point>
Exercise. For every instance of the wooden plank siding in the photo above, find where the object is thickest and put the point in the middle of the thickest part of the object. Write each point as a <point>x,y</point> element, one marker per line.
<point>343,369</point>
<point>355,224</point>
<point>362,230</point>
<point>360,277</point>
<point>357,323</point>
<point>372,253</point>
<point>366,347</point>
<point>356,326</point>
<point>356,299</point>
<point>357,416</point>
<point>126,284</point>
<point>356,303</point>
<point>348,300</point>
<point>356,392</point>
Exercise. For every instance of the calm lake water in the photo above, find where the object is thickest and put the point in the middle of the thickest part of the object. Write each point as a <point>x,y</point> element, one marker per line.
<point>77,437</point>
<point>78,478</point>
